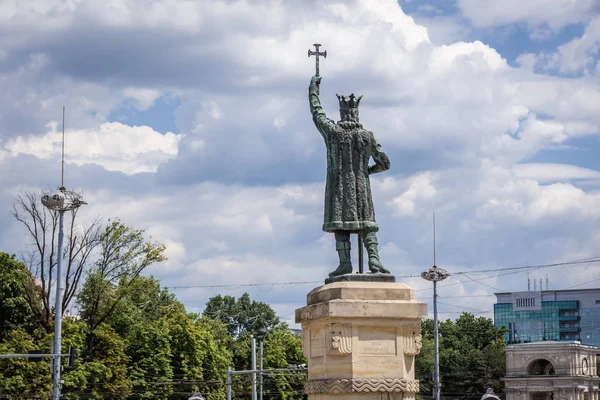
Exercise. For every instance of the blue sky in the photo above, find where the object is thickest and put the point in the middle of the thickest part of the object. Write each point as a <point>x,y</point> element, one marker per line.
<point>190,120</point>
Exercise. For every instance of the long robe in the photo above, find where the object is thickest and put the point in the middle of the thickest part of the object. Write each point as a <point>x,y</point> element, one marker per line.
<point>348,200</point>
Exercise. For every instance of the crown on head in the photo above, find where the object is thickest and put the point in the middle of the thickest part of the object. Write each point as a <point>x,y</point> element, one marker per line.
<point>348,102</point>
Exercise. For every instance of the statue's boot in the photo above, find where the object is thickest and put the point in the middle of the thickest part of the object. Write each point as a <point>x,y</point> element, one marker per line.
<point>375,265</point>
<point>342,245</point>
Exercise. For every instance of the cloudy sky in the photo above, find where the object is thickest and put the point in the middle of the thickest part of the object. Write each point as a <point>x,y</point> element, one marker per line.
<point>190,119</point>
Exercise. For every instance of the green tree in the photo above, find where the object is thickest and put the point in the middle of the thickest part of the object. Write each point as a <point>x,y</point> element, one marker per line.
<point>424,365</point>
<point>124,254</point>
<point>471,357</point>
<point>143,301</point>
<point>242,316</point>
<point>218,357</point>
<point>17,293</point>
<point>201,353</point>
<point>283,348</point>
<point>101,373</point>
<point>18,376</point>
<point>150,369</point>
<point>18,331</point>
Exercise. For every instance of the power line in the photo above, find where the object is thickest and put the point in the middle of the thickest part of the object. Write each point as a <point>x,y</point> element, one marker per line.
<point>239,285</point>
<point>521,268</point>
<point>466,308</point>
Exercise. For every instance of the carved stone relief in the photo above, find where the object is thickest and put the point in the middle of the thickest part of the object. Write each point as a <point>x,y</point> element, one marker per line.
<point>340,339</point>
<point>412,339</point>
<point>319,386</point>
<point>562,394</point>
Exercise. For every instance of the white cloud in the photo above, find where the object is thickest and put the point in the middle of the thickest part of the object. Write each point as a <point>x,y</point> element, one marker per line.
<point>238,199</point>
<point>420,191</point>
<point>547,172</point>
<point>115,146</point>
<point>576,56</point>
<point>144,98</point>
<point>538,14</point>
<point>504,197</point>
<point>477,54</point>
<point>444,29</point>
<point>528,61</point>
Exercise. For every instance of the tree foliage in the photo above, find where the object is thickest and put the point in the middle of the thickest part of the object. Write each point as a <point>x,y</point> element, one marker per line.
<point>18,375</point>
<point>124,254</point>
<point>136,340</point>
<point>101,373</point>
<point>282,349</point>
<point>17,294</point>
<point>242,316</point>
<point>150,348</point>
<point>471,357</point>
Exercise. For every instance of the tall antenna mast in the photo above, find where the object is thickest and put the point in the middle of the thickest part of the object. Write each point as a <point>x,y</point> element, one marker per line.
<point>60,201</point>
<point>62,172</point>
<point>434,239</point>
<point>435,274</point>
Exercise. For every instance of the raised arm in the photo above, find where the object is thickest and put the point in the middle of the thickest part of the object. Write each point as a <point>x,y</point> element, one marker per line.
<point>320,119</point>
<point>382,162</point>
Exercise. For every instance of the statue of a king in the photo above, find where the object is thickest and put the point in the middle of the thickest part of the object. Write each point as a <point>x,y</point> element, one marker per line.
<point>348,202</point>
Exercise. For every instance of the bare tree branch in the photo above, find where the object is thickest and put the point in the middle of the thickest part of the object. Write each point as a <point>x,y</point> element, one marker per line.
<point>79,252</point>
<point>41,226</point>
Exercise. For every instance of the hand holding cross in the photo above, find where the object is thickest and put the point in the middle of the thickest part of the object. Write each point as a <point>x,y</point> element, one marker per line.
<point>317,53</point>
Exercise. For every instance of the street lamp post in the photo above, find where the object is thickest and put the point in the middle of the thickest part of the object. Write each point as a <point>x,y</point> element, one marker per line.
<point>435,274</point>
<point>60,201</point>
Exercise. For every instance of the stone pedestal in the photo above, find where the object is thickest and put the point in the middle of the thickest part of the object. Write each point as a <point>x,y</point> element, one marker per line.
<point>360,339</point>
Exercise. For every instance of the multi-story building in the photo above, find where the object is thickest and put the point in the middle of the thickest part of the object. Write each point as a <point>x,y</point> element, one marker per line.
<point>549,315</point>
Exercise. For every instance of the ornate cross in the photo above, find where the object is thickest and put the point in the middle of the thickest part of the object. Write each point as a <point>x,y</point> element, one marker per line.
<point>317,53</point>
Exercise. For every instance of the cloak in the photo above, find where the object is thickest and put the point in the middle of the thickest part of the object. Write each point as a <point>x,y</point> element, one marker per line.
<point>348,200</point>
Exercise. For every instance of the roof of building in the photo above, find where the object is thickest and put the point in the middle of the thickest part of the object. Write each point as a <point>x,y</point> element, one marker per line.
<point>551,291</point>
<point>552,343</point>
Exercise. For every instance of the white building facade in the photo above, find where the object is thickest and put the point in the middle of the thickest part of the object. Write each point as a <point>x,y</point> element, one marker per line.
<point>551,371</point>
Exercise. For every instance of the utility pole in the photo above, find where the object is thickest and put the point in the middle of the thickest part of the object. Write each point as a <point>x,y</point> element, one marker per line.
<point>58,309</point>
<point>293,370</point>
<point>253,346</point>
<point>435,275</point>
<point>61,200</point>
<point>260,364</point>
<point>228,383</point>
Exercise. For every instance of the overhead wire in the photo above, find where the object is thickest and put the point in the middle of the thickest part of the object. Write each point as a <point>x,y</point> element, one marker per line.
<point>506,271</point>
<point>288,283</point>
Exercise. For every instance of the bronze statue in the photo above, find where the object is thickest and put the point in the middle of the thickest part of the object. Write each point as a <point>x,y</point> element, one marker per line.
<point>348,201</point>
